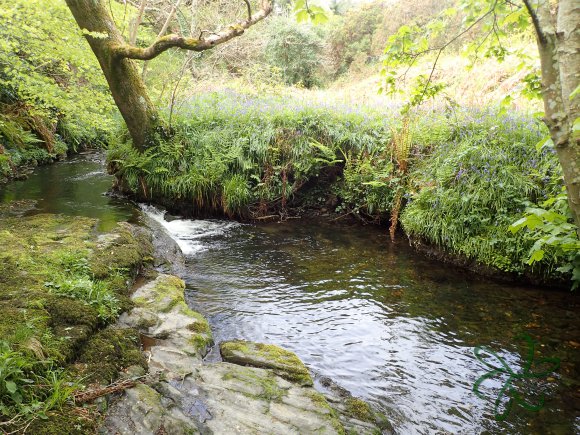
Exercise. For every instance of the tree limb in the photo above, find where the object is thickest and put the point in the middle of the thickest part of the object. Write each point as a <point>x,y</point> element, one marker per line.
<point>169,18</point>
<point>137,23</point>
<point>535,21</point>
<point>247,2</point>
<point>164,43</point>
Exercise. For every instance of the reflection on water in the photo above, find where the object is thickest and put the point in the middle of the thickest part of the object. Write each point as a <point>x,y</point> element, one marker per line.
<point>383,322</point>
<point>74,187</point>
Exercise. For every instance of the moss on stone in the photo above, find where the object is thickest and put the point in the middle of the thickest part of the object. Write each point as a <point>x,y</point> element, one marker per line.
<point>359,409</point>
<point>201,342</point>
<point>319,400</point>
<point>166,292</point>
<point>199,327</point>
<point>123,252</point>
<point>44,252</point>
<point>266,381</point>
<point>69,421</point>
<point>284,363</point>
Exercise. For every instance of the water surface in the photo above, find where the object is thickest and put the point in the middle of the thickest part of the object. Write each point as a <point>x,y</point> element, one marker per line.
<point>75,187</point>
<point>384,322</point>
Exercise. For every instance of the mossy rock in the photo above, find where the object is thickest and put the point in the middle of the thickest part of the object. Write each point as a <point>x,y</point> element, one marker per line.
<point>45,315</point>
<point>359,409</point>
<point>123,251</point>
<point>109,352</point>
<point>283,362</point>
<point>162,302</point>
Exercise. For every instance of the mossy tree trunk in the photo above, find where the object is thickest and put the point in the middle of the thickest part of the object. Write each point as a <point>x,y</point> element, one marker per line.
<point>127,88</point>
<point>116,56</point>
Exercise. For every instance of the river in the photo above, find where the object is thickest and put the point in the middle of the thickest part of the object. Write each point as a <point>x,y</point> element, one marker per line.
<point>380,320</point>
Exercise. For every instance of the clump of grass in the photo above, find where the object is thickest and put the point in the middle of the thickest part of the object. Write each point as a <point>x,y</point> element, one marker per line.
<point>242,155</point>
<point>29,387</point>
<point>456,179</point>
<point>77,282</point>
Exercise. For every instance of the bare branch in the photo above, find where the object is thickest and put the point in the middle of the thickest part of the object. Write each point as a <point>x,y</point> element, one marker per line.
<point>137,23</point>
<point>164,43</point>
<point>169,18</point>
<point>247,2</point>
<point>535,21</point>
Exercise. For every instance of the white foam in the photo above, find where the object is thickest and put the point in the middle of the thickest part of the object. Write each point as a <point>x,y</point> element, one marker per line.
<point>188,233</point>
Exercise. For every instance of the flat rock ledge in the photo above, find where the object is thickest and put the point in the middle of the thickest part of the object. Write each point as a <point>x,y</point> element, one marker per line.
<point>263,389</point>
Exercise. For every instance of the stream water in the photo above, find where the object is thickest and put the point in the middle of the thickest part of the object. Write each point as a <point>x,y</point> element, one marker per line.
<point>377,318</point>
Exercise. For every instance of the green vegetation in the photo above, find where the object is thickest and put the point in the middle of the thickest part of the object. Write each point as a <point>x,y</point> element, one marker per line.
<point>359,409</point>
<point>107,353</point>
<point>461,179</point>
<point>51,305</point>
<point>477,181</point>
<point>165,297</point>
<point>459,183</point>
<point>53,96</point>
<point>244,156</point>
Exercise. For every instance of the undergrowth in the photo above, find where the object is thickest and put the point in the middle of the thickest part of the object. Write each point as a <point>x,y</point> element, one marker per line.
<point>477,182</point>
<point>455,178</point>
<point>53,96</point>
<point>59,285</point>
<point>244,156</point>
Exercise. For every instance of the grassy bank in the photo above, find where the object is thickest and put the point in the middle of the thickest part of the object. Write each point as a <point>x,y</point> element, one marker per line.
<point>60,286</point>
<point>457,178</point>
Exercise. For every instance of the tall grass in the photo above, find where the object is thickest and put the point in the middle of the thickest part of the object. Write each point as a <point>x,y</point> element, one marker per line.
<point>476,182</point>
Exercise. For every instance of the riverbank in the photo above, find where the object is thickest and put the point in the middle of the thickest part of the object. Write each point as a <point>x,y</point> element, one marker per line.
<point>456,181</point>
<point>63,284</point>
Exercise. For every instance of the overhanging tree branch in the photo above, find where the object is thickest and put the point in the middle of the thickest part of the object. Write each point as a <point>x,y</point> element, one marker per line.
<point>164,43</point>
<point>535,21</point>
<point>247,2</point>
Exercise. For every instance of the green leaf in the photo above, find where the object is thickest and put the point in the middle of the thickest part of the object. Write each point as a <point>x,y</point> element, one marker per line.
<point>546,142</point>
<point>576,128</point>
<point>10,387</point>
<point>375,183</point>
<point>302,15</point>
<point>536,256</point>
<point>575,92</point>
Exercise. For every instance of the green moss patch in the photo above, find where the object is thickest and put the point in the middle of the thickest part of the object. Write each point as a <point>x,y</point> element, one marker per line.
<point>109,352</point>
<point>283,362</point>
<point>59,285</point>
<point>70,421</point>
<point>164,297</point>
<point>359,409</point>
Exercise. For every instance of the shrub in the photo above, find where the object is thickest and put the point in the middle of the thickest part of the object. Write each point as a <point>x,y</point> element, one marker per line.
<point>296,50</point>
